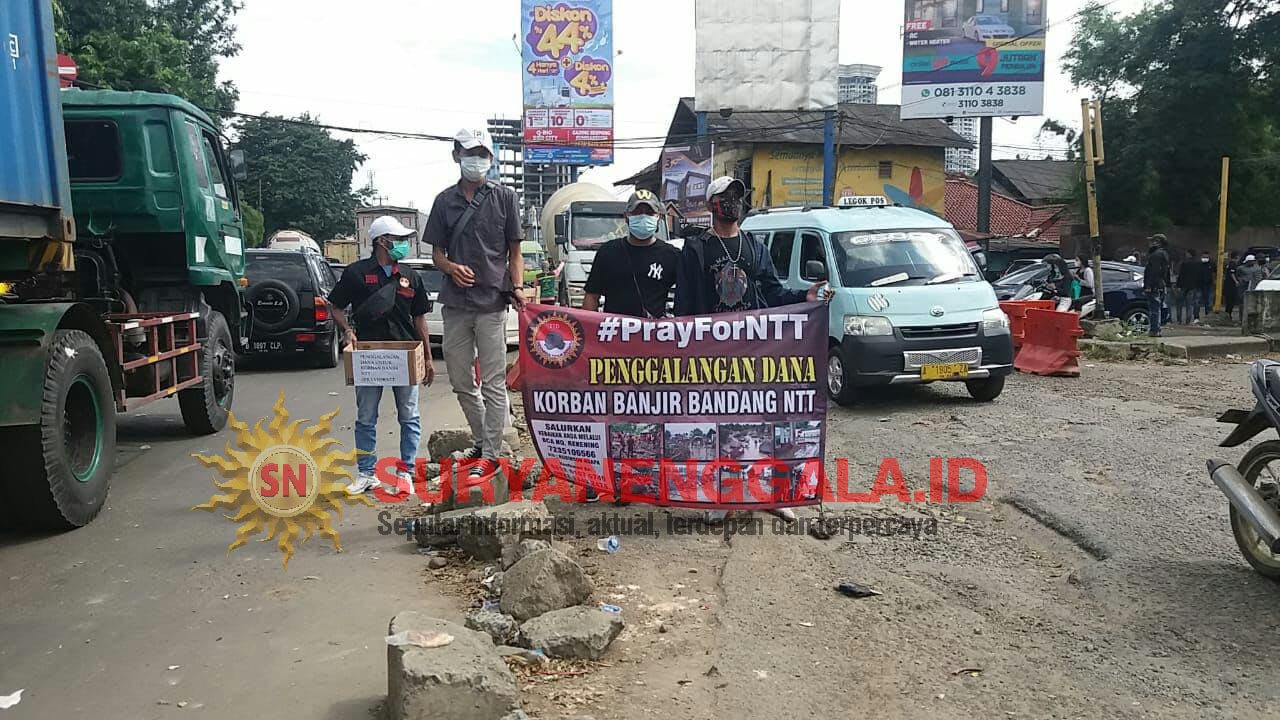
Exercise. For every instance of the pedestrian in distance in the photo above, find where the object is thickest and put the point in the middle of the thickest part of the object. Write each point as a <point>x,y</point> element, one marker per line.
<point>1156,282</point>
<point>1230,292</point>
<point>1208,282</point>
<point>635,274</point>
<point>1248,275</point>
<point>387,302</point>
<point>1183,293</point>
<point>724,269</point>
<point>474,228</point>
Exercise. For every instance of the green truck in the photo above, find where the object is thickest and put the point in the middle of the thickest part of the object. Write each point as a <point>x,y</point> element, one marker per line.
<point>121,269</point>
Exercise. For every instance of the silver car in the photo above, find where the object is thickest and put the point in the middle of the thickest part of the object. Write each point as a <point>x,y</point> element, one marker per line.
<point>434,279</point>
<point>986,27</point>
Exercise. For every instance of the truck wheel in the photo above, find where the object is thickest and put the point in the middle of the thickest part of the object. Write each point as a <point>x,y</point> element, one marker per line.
<point>840,378</point>
<point>65,476</point>
<point>985,390</point>
<point>205,407</point>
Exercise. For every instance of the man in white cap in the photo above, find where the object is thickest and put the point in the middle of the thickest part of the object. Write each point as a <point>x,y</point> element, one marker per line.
<point>388,302</point>
<point>475,229</point>
<point>727,270</point>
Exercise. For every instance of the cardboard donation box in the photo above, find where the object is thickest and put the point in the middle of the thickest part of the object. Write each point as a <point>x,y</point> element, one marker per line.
<point>391,363</point>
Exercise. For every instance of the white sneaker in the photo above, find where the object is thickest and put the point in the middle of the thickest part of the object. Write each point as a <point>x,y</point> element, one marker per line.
<point>404,487</point>
<point>785,513</point>
<point>362,484</point>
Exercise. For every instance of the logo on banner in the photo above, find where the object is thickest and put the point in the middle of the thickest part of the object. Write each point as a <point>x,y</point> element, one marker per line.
<point>555,339</point>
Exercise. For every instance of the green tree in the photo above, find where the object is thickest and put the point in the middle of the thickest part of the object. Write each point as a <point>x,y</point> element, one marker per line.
<point>253,224</point>
<point>300,176</point>
<point>169,46</point>
<point>1183,83</point>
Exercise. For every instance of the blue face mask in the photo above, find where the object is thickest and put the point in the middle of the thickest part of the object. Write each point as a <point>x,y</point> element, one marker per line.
<point>643,226</point>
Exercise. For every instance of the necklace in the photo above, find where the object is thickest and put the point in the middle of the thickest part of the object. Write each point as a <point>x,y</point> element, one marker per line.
<point>733,260</point>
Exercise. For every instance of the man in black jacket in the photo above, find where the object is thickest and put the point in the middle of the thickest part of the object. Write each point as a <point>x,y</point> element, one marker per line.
<point>727,270</point>
<point>1155,282</point>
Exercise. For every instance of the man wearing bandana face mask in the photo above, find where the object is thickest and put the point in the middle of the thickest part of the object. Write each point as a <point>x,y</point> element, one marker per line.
<point>388,302</point>
<point>475,229</point>
<point>727,270</point>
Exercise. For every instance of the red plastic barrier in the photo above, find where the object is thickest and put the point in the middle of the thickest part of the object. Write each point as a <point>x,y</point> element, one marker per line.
<point>1017,312</point>
<point>1049,344</point>
<point>513,377</point>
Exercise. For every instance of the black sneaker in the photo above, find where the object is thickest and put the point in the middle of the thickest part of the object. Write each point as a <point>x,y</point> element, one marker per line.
<point>471,453</point>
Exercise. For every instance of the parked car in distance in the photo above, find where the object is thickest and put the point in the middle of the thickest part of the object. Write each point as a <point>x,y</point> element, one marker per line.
<point>1121,285</point>
<point>434,279</point>
<point>287,291</point>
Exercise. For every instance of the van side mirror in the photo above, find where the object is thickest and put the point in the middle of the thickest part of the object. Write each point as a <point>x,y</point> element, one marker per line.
<point>562,230</point>
<point>239,167</point>
<point>814,270</point>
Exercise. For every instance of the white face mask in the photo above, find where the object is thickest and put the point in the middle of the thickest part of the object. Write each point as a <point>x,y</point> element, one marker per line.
<point>474,169</point>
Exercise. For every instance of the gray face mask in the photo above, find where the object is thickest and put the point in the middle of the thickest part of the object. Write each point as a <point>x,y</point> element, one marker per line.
<point>474,169</point>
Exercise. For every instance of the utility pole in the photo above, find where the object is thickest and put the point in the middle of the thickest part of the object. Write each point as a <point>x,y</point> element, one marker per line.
<point>829,157</point>
<point>1222,235</point>
<point>1094,155</point>
<point>984,175</point>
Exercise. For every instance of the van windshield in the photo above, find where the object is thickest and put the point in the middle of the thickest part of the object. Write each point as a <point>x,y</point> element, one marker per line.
<point>903,257</point>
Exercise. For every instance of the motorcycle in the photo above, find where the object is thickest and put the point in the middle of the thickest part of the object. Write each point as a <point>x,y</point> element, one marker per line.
<point>1253,488</point>
<point>1084,306</point>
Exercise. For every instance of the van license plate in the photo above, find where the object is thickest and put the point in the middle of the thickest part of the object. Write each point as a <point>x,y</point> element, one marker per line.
<point>948,371</point>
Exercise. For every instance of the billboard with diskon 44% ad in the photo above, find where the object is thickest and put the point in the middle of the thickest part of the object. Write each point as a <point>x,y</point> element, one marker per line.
<point>567,51</point>
<point>967,58</point>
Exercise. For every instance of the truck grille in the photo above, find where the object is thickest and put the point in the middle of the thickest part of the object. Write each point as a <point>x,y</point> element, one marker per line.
<point>939,331</point>
<point>913,359</point>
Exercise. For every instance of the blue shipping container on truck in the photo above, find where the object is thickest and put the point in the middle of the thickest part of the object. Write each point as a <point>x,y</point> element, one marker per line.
<point>33,155</point>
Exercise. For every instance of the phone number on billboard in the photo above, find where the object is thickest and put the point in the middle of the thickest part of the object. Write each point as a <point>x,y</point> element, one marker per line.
<point>980,90</point>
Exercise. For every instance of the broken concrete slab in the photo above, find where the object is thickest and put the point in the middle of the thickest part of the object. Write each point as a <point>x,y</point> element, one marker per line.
<point>497,528</point>
<point>543,581</point>
<point>445,442</point>
<point>1195,347</point>
<point>580,633</point>
<point>502,628</point>
<point>512,554</point>
<point>464,680</point>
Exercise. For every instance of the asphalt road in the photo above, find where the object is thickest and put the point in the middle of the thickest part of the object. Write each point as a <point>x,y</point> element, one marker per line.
<point>144,609</point>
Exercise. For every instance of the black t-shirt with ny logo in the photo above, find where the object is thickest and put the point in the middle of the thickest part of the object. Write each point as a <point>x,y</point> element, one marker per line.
<point>634,279</point>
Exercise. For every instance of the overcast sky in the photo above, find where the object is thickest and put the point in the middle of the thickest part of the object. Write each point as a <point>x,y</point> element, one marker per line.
<point>437,66</point>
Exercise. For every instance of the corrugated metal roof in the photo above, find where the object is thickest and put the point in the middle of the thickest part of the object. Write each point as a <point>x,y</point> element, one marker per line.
<point>857,124</point>
<point>1038,180</point>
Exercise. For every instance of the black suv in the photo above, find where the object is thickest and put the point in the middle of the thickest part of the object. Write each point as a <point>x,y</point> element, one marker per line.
<point>287,291</point>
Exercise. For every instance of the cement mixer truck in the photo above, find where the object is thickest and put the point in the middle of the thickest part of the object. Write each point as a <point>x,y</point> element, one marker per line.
<point>576,221</point>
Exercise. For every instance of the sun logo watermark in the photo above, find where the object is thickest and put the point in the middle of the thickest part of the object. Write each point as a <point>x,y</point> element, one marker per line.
<point>283,480</point>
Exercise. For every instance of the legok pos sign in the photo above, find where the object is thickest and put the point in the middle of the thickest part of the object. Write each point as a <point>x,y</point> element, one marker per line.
<point>724,411</point>
<point>973,58</point>
<point>567,51</point>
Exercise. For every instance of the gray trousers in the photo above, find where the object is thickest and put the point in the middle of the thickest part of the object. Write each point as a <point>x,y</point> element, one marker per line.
<point>468,336</point>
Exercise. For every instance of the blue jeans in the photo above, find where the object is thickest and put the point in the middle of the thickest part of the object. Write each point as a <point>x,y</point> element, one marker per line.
<point>367,400</point>
<point>1155,312</point>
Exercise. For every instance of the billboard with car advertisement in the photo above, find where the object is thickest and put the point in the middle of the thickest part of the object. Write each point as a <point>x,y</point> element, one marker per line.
<point>973,58</point>
<point>567,51</point>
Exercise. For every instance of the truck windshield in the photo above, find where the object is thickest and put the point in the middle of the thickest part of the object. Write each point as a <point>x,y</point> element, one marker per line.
<point>592,231</point>
<point>903,257</point>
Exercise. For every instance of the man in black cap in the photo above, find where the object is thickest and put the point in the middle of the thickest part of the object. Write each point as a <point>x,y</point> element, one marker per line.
<point>635,273</point>
<point>1155,282</point>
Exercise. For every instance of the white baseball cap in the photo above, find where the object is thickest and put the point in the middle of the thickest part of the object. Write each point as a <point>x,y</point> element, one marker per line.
<point>721,184</point>
<point>1247,258</point>
<point>387,225</point>
<point>470,139</point>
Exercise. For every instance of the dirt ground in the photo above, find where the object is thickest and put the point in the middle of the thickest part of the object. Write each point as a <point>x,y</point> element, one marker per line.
<point>1138,605</point>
